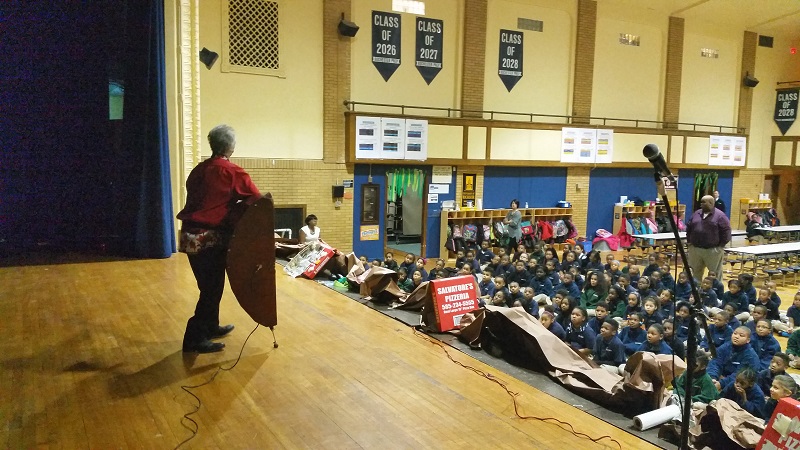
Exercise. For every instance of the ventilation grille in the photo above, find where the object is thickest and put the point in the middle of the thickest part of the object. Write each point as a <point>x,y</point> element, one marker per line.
<point>253,34</point>
<point>530,24</point>
<point>765,41</point>
<point>629,39</point>
<point>709,53</point>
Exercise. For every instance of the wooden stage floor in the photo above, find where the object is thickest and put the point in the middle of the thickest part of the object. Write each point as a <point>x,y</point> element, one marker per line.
<point>91,358</point>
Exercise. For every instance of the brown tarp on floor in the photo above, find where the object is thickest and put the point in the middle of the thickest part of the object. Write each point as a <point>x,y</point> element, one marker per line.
<point>519,338</point>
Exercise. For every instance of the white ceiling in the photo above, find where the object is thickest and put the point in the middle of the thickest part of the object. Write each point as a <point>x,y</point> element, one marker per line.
<point>770,17</point>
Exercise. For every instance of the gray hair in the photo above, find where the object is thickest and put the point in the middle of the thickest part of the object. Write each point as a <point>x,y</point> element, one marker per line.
<point>222,139</point>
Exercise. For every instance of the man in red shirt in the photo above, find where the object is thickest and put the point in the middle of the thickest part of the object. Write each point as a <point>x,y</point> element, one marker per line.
<point>217,191</point>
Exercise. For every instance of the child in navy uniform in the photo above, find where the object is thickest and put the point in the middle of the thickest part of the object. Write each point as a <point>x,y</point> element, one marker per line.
<point>579,336</point>
<point>600,315</point>
<point>515,293</point>
<point>410,264</point>
<point>746,282</point>
<point>745,392</point>
<point>666,278</point>
<point>486,285</point>
<point>708,295</point>
<point>776,367</point>
<point>634,304</point>
<point>766,301</point>
<point>666,303</point>
<point>548,321</point>
<point>735,295</point>
<point>759,312</point>
<point>485,254</point>
<point>782,386</point>
<point>719,332</point>
<point>773,294</point>
<point>608,349</point>
<point>786,328</point>
<point>624,281</point>
<point>652,264</point>
<point>716,284</point>
<point>540,283</point>
<point>764,343</point>
<point>683,290</point>
<point>655,341</point>
<point>633,335</point>
<point>731,309</point>
<point>643,288</point>
<point>420,267</point>
<point>552,273</point>
<point>565,308</point>
<point>389,262</point>
<point>732,357</point>
<point>651,314</point>
<point>674,343</point>
<point>682,318</point>
<point>568,285</point>
<point>520,275</point>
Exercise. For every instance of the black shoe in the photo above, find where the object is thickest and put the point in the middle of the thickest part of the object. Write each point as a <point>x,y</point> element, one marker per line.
<point>204,347</point>
<point>221,332</point>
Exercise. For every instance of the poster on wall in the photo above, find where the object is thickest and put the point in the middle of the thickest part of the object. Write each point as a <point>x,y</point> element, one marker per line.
<point>430,37</point>
<point>416,139</point>
<point>569,144</point>
<point>369,232</point>
<point>368,130</point>
<point>393,138</point>
<point>442,174</point>
<point>510,58</point>
<point>587,144</point>
<point>385,43</point>
<point>605,147</point>
<point>727,150</point>
<point>786,108</point>
<point>468,182</point>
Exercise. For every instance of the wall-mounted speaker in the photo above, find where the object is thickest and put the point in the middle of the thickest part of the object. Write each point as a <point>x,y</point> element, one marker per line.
<point>338,191</point>
<point>347,28</point>
<point>750,81</point>
<point>208,57</point>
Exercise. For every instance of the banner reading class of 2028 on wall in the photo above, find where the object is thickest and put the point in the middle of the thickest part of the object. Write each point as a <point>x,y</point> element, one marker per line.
<point>385,43</point>
<point>429,47</point>
<point>510,63</point>
<point>786,108</point>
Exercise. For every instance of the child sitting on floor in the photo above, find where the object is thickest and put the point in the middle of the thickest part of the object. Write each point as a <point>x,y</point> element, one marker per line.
<point>759,312</point>
<point>766,301</point>
<point>776,367</point>
<point>666,303</point>
<point>608,351</point>
<point>703,389</point>
<point>710,300</point>
<point>764,343</point>
<point>499,298</point>
<point>500,285</point>
<point>389,262</point>
<point>731,309</point>
<point>683,289</point>
<point>633,336</point>
<point>568,285</point>
<point>666,278</point>
<point>655,341</point>
<point>634,304</point>
<point>792,318</point>
<point>549,322</point>
<point>552,273</point>
<point>530,305</point>
<point>652,264</point>
<point>745,392</point>
<point>643,288</point>
<point>600,315</point>
<point>719,332</point>
<point>485,254</point>
<point>486,285</point>
<point>579,336</point>
<point>782,386</point>
<point>403,282</point>
<point>617,303</point>
<point>565,308</point>
<point>773,294</point>
<point>674,343</point>
<point>439,266</point>
<point>746,283</point>
<point>651,314</point>
<point>716,284</point>
<point>410,264</point>
<point>732,357</point>
<point>515,293</point>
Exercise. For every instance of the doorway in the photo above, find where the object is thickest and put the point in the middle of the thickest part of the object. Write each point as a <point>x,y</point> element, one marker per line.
<point>405,210</point>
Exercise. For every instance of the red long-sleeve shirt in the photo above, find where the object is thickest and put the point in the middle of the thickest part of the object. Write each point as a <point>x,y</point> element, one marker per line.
<point>213,188</point>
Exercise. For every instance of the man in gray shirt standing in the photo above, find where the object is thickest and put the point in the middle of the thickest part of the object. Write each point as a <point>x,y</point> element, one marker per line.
<point>707,233</point>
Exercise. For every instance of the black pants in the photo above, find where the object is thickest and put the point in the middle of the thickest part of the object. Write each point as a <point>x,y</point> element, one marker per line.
<point>208,267</point>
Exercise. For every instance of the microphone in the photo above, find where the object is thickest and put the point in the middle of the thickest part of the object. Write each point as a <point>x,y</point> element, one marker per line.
<point>655,157</point>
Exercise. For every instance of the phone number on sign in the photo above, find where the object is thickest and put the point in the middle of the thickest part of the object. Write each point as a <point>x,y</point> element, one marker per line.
<point>458,305</point>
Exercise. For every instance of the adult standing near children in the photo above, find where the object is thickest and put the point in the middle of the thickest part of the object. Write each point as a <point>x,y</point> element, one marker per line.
<point>310,232</point>
<point>707,233</point>
<point>719,203</point>
<point>512,221</point>
<point>217,190</point>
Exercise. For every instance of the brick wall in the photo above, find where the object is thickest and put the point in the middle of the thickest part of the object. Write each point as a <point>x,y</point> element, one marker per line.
<point>336,79</point>
<point>474,56</point>
<point>672,87</point>
<point>306,182</point>
<point>578,195</point>
<point>747,183</point>
<point>745,93</point>
<point>584,61</point>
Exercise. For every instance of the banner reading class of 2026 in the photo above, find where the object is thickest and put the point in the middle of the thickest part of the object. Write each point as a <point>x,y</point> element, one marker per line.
<point>385,43</point>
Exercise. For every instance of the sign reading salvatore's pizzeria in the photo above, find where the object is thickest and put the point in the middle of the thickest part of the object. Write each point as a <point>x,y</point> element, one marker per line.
<point>786,108</point>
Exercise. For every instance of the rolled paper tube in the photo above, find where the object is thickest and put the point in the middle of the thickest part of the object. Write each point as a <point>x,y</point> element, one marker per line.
<point>656,417</point>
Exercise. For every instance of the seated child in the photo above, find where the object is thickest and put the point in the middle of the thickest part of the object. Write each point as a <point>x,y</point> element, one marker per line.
<point>439,266</point>
<point>521,250</point>
<point>485,254</point>
<point>745,392</point>
<point>540,282</point>
<point>579,336</point>
<point>609,260</point>
<point>666,278</point>
<point>600,315</point>
<point>577,278</point>
<point>643,288</point>
<point>634,304</point>
<point>732,310</point>
<point>703,389</point>
<point>733,356</point>
<point>568,285</point>
<point>710,300</point>
<point>410,264</point>
<point>655,281</point>
<point>389,262</point>
<point>568,262</point>
<point>470,259</point>
<point>683,289</point>
<point>499,298</point>
<point>494,263</point>
<point>617,303</point>
<point>759,312</point>
<point>773,294</point>
<point>504,267</point>
<point>403,282</point>
<point>719,332</point>
<point>486,285</point>
<point>608,349</point>
<point>614,270</point>
<point>594,291</point>
<point>364,262</point>
<point>420,267</point>
<point>624,281</point>
<point>764,343</point>
<point>651,314</point>
<point>633,336</point>
<point>520,274</point>
<point>782,386</point>
<point>537,255</point>
<point>552,273</point>
<point>792,318</point>
<point>633,274</point>
<point>515,294</point>
<point>441,274</point>
<point>716,284</point>
<point>564,317</point>
<point>776,367</point>
<point>674,343</point>
<point>746,283</point>
<point>376,263</point>
<point>655,341</point>
<point>416,280</point>
<point>683,313</point>
<point>766,301</point>
<point>652,264</point>
<point>666,303</point>
<point>530,305</point>
<point>500,285</point>
<point>548,321</point>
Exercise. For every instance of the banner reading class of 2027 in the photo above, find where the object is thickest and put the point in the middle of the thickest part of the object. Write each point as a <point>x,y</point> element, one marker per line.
<point>429,47</point>
<point>786,108</point>
<point>385,43</point>
<point>510,62</point>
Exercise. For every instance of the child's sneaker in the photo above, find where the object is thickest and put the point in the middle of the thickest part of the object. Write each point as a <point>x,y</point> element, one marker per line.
<point>784,334</point>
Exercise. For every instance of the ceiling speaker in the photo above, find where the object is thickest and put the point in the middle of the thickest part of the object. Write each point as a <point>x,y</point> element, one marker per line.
<point>208,57</point>
<point>750,81</point>
<point>347,28</point>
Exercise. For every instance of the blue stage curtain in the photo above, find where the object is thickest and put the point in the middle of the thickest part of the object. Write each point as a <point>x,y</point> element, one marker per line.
<point>145,134</point>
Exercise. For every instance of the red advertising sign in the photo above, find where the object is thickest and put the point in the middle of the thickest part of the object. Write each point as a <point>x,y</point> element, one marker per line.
<point>452,298</point>
<point>324,254</point>
<point>783,429</point>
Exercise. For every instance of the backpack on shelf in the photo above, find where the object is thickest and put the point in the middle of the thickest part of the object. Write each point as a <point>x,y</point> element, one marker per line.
<point>526,227</point>
<point>470,232</point>
<point>457,231</point>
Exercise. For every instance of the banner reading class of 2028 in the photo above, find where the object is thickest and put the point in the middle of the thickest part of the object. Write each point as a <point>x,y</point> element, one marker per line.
<point>385,43</point>
<point>786,108</point>
<point>429,47</point>
<point>510,63</point>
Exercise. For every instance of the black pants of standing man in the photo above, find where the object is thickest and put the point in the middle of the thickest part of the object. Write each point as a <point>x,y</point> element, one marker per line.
<point>208,267</point>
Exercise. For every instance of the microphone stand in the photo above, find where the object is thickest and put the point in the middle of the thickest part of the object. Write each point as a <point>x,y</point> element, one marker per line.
<point>695,313</point>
